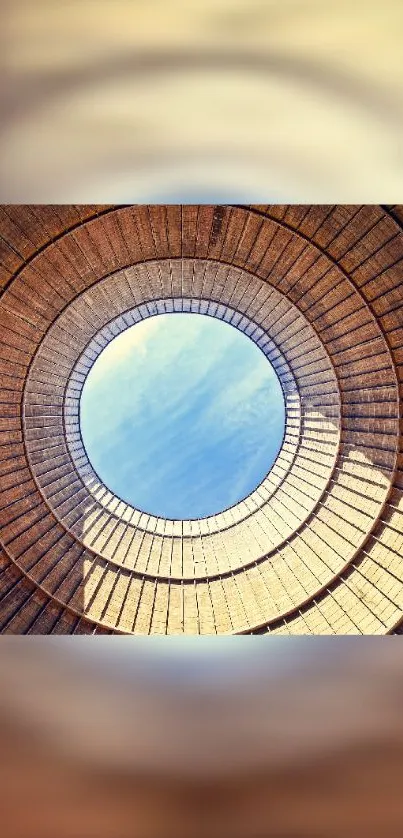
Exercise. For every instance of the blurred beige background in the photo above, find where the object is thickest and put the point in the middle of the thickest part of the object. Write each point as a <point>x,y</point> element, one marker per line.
<point>225,100</point>
<point>194,738</point>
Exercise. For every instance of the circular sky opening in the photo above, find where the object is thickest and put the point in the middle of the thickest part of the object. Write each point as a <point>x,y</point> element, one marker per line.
<point>182,416</point>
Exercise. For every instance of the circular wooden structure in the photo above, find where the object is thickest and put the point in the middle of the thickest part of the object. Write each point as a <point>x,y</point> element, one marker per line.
<point>318,546</point>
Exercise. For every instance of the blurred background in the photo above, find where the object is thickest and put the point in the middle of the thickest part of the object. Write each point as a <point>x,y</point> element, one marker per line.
<point>218,101</point>
<point>153,738</point>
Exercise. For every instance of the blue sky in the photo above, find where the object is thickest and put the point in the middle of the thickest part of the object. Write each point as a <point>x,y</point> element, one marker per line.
<point>182,415</point>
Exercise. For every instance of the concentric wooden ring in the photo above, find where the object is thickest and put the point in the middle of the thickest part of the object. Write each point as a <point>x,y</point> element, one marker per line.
<point>318,547</point>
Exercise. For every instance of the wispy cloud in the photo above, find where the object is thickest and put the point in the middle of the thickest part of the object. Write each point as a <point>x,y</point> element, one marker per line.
<point>182,415</point>
<point>132,342</point>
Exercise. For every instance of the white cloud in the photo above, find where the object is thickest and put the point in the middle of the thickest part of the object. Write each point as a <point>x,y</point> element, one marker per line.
<point>158,388</point>
<point>134,340</point>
